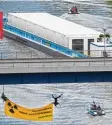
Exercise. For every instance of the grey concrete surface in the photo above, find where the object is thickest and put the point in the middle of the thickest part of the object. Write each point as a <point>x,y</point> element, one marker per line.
<point>55,65</point>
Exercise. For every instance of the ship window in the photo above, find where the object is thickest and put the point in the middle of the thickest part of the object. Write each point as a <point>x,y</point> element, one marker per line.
<point>78,45</point>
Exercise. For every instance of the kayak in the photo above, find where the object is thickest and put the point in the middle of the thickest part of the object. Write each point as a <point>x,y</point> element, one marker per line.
<point>96,112</point>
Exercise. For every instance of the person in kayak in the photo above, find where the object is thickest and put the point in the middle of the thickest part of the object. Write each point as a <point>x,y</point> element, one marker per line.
<point>93,106</point>
<point>56,99</point>
<point>74,10</point>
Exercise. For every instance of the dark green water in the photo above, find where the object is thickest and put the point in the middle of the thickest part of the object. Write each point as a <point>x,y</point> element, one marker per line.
<point>109,2</point>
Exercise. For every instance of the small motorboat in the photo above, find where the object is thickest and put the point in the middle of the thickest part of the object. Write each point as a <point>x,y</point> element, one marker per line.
<point>96,112</point>
<point>73,13</point>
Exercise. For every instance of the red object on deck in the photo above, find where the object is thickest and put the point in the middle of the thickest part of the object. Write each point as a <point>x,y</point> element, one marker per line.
<point>1,25</point>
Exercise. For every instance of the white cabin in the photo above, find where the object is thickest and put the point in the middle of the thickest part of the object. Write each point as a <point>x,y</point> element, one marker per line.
<point>55,29</point>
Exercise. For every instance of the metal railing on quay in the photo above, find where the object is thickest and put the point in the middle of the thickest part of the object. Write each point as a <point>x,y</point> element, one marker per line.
<point>22,55</point>
<point>97,53</point>
<point>7,63</point>
<point>34,55</point>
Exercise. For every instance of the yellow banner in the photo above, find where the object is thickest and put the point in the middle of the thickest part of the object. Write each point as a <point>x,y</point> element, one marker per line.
<point>35,114</point>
